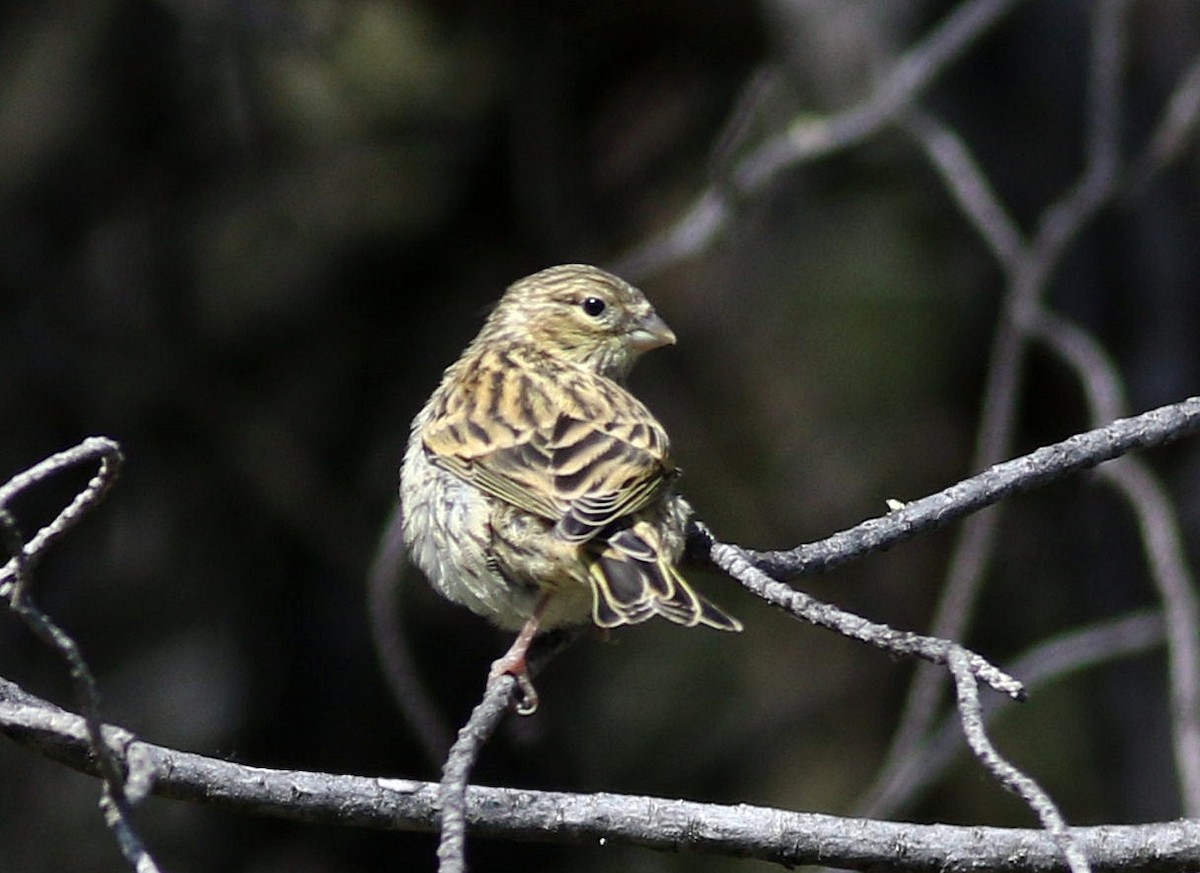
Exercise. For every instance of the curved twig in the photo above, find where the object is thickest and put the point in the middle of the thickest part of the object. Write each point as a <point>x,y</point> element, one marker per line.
<point>120,791</point>
<point>92,449</point>
<point>384,588</point>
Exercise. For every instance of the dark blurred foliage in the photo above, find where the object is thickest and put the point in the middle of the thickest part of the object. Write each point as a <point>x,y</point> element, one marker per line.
<point>243,239</point>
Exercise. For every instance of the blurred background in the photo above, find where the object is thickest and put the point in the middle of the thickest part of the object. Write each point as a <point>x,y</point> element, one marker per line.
<point>243,239</point>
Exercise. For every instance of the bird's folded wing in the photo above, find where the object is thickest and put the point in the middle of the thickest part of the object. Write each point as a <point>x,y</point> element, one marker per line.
<point>583,469</point>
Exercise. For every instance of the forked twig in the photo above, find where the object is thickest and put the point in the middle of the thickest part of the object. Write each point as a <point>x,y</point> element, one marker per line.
<point>1006,774</point>
<point>120,791</point>
<point>737,563</point>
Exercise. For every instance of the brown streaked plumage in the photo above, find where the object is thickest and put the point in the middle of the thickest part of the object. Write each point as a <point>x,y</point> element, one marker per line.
<point>536,490</point>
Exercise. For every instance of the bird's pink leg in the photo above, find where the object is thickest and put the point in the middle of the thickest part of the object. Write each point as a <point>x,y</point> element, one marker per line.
<point>513,662</point>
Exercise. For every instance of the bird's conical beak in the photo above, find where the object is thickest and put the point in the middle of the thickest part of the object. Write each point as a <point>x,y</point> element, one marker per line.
<point>651,333</point>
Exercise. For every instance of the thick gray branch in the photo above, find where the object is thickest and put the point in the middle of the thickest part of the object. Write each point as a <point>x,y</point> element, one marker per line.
<point>788,838</point>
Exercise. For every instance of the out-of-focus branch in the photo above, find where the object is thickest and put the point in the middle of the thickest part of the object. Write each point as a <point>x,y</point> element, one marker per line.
<point>810,137</point>
<point>384,602</point>
<point>969,186</point>
<point>1029,268</point>
<point>1159,530</point>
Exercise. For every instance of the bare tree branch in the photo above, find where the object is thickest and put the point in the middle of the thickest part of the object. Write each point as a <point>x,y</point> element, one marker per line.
<point>787,838</point>
<point>498,696</point>
<point>737,563</point>
<point>1038,468</point>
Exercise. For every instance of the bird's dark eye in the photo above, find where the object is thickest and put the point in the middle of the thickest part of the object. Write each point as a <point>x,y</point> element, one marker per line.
<point>593,306</point>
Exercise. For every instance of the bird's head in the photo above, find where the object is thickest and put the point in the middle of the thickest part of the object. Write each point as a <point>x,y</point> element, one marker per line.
<point>580,314</point>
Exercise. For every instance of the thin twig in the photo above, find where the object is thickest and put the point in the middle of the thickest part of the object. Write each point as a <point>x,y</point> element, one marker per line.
<point>966,666</point>
<point>1009,776</point>
<point>452,793</point>
<point>101,449</point>
<point>499,694</point>
<point>1048,662</point>
<point>116,798</point>
<point>736,562</point>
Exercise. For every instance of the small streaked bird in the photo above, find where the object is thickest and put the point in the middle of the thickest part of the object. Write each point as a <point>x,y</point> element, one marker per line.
<point>535,489</point>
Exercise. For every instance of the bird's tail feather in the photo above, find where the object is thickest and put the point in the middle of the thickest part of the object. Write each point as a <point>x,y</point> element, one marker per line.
<point>632,582</point>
